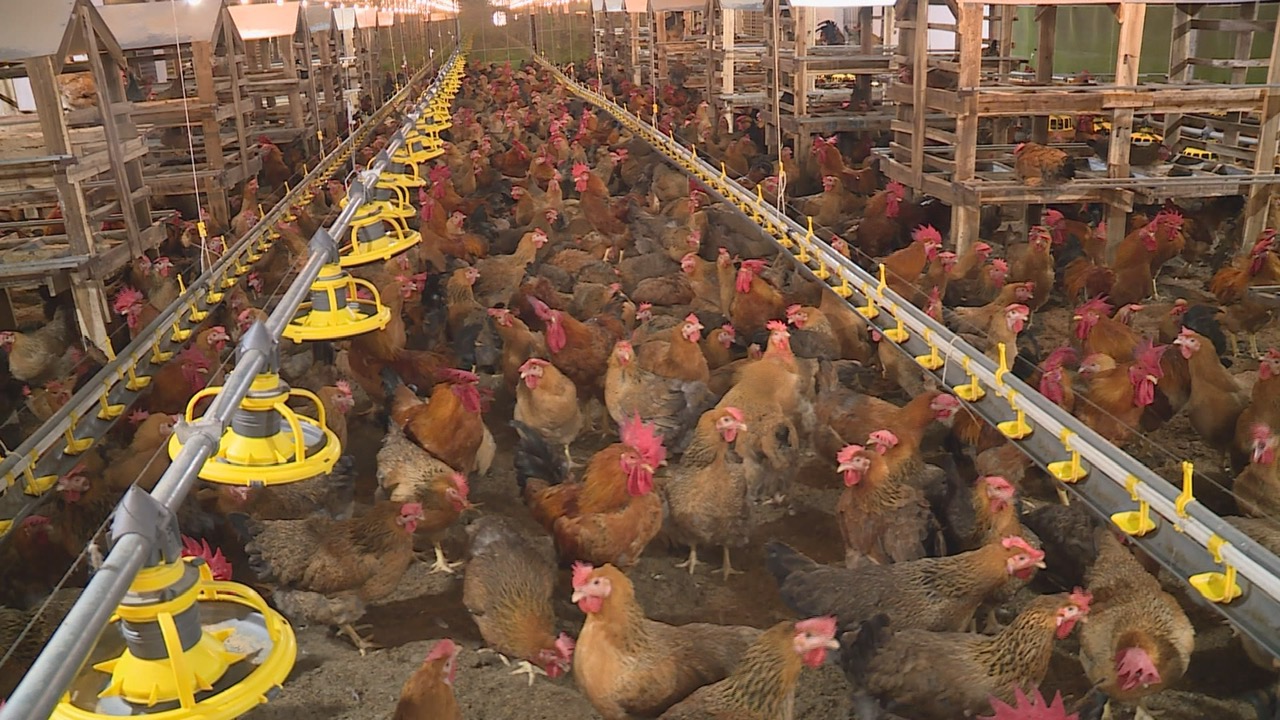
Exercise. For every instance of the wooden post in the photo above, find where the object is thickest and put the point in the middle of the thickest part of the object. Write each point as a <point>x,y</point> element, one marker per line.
<point>289,59</point>
<point>1047,22</point>
<point>88,292</point>
<point>206,90</point>
<point>728,32</point>
<point>135,212</point>
<point>919,60</point>
<point>635,47</point>
<point>309,51</point>
<point>1258,203</point>
<point>1004,37</point>
<point>965,217</point>
<point>1182,47</point>
<point>1239,73</point>
<point>1132,18</point>
<point>234,55</point>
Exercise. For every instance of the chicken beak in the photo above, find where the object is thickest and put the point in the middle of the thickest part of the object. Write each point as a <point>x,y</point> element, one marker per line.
<point>1077,318</point>
<point>1040,564</point>
<point>1152,379</point>
<point>578,595</point>
<point>831,644</point>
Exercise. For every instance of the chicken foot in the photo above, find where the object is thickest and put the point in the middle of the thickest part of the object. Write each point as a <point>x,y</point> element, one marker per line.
<point>441,564</point>
<point>728,570</point>
<point>361,644</point>
<point>692,562</point>
<point>524,667</point>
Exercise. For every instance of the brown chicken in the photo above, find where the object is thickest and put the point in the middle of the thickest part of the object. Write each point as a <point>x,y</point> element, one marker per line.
<point>1117,395</point>
<point>325,571</point>
<point>937,594</point>
<point>548,402</point>
<point>1217,400</point>
<point>629,665</point>
<point>1257,487</point>
<point>664,382</point>
<point>331,495</point>
<point>1037,165</point>
<point>944,675</point>
<point>500,273</point>
<point>579,349</point>
<point>449,424</point>
<point>146,458</point>
<point>763,685</point>
<point>1138,641</point>
<point>846,417</point>
<point>1263,409</point>
<point>707,494</point>
<point>1242,315</point>
<point>428,693</point>
<point>338,401</point>
<point>40,355</point>
<point>902,269</point>
<point>519,343</point>
<point>1098,333</point>
<point>1035,265</point>
<point>407,473</point>
<point>507,589</point>
<point>594,202</point>
<point>612,513</point>
<point>754,300</point>
<point>881,519</point>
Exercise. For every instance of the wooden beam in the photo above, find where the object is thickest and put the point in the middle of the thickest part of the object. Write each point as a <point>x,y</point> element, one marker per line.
<point>965,216</point>
<point>1132,17</point>
<point>1047,22</point>
<point>1182,46</point>
<point>919,89</point>
<point>1258,203</point>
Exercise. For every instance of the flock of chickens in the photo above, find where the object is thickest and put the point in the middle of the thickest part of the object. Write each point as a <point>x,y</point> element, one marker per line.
<point>567,273</point>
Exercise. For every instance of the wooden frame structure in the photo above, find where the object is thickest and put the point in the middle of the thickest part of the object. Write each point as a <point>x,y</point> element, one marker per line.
<point>84,160</point>
<point>682,40</point>
<point>196,126</point>
<point>283,106</point>
<point>954,167</point>
<point>323,72</point>
<point>796,104</point>
<point>739,54</point>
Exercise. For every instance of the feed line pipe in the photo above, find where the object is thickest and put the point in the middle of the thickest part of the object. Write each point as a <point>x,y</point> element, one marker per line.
<point>58,664</point>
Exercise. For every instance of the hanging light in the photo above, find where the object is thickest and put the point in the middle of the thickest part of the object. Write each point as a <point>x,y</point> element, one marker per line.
<point>185,645</point>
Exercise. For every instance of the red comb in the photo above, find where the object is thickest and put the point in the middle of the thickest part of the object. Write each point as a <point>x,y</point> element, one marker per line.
<point>824,627</point>
<point>643,438</point>
<point>581,574</point>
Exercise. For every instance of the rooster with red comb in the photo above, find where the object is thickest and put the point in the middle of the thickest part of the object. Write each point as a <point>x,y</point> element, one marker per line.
<point>611,513</point>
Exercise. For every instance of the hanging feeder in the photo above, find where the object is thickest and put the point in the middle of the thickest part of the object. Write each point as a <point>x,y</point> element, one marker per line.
<point>335,310</point>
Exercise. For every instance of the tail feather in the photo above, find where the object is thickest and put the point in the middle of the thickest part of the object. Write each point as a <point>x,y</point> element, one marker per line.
<point>784,560</point>
<point>342,488</point>
<point>535,458</point>
<point>390,381</point>
<point>857,651</point>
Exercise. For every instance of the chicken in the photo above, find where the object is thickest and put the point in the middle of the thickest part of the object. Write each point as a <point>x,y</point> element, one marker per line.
<point>519,344</point>
<point>1256,487</point>
<point>249,214</point>
<point>324,571</point>
<point>813,335</point>
<point>1037,165</point>
<point>612,513</point>
<point>1035,265</point>
<point>507,590</point>
<point>629,665</point>
<point>428,693</point>
<point>449,424</point>
<point>23,633</point>
<point>407,473</point>
<point>1118,394</point>
<point>1263,408</point>
<point>881,520</point>
<point>903,268</point>
<point>274,173</point>
<point>1138,641</point>
<point>39,355</point>
<point>754,301</point>
<point>145,459</point>
<point>579,349</point>
<point>134,307</point>
<point>937,594</point>
<point>833,206</point>
<point>763,685</point>
<point>943,675</point>
<point>706,493</point>
<point>1098,333</point>
<point>1240,314</point>
<point>880,227</point>
<point>1056,382</point>
<point>331,495</point>
<point>664,382</point>
<point>548,402</point>
<point>500,273</point>
<point>338,401</point>
<point>594,202</point>
<point>1217,400</point>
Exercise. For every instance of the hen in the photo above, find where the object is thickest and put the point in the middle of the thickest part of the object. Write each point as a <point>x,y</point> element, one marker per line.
<point>1038,165</point>
<point>628,665</point>
<point>428,693</point>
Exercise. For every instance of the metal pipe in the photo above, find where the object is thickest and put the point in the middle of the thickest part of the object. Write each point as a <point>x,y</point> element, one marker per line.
<point>62,657</point>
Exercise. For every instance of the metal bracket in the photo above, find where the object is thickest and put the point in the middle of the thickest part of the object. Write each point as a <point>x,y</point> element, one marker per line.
<point>141,514</point>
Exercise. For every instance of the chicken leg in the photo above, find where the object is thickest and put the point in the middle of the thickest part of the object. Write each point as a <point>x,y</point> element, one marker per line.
<point>728,568</point>
<point>523,667</point>
<point>442,565</point>
<point>361,644</point>
<point>1253,345</point>
<point>692,562</point>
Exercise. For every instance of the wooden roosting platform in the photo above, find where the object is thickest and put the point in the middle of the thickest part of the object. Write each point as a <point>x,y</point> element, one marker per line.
<point>820,89</point>
<point>283,108</point>
<point>196,118</point>
<point>79,154</point>
<point>967,161</point>
<point>324,73</point>
<point>739,53</point>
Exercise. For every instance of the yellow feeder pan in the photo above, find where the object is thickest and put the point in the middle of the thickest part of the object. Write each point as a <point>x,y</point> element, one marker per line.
<point>267,442</point>
<point>420,156</point>
<point>389,201</point>
<point>196,648</point>
<point>376,237</point>
<point>335,310</point>
<point>402,174</point>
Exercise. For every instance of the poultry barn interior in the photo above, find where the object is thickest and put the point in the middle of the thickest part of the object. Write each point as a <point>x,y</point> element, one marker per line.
<point>732,359</point>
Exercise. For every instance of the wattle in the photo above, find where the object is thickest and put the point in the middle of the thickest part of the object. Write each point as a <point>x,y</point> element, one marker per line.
<point>1186,352</point>
<point>1145,394</point>
<point>556,339</point>
<point>590,605</point>
<point>815,658</point>
<point>851,478</point>
<point>1064,630</point>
